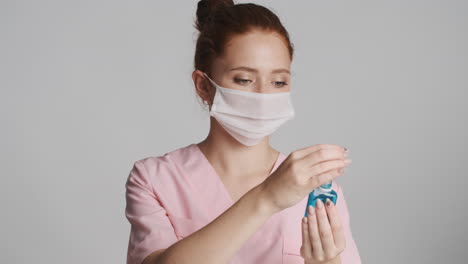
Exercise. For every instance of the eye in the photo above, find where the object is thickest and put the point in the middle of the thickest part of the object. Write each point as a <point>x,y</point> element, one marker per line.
<point>242,81</point>
<point>280,84</point>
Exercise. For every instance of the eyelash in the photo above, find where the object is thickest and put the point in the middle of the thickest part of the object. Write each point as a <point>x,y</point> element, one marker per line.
<point>242,81</point>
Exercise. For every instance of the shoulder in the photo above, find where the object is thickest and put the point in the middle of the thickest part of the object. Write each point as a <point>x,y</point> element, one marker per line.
<point>282,156</point>
<point>341,202</point>
<point>154,169</point>
<point>337,187</point>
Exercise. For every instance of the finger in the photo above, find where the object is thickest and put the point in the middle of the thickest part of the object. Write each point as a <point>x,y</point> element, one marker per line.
<point>314,235</point>
<point>336,226</point>
<point>306,249</point>
<point>322,154</point>
<point>299,153</point>
<point>323,178</point>
<point>325,231</point>
<point>327,166</point>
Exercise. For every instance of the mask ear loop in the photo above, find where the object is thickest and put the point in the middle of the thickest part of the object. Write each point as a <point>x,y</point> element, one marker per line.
<point>214,84</point>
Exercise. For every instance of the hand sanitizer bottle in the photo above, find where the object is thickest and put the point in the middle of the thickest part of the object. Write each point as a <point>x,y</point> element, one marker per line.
<point>322,192</point>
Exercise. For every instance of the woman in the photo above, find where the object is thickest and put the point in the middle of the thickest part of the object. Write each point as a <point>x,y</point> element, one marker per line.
<point>232,198</point>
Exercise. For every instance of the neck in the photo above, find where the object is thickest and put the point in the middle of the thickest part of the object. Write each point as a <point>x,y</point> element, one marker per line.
<point>231,157</point>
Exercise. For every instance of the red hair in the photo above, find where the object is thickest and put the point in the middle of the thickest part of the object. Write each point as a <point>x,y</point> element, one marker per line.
<point>219,20</point>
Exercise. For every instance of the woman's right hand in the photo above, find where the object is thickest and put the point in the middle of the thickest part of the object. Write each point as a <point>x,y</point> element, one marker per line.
<point>301,172</point>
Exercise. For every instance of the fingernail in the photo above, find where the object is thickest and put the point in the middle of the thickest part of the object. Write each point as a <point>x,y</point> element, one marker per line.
<point>304,220</point>
<point>341,171</point>
<point>311,210</point>
<point>319,203</point>
<point>347,161</point>
<point>345,154</point>
<point>328,202</point>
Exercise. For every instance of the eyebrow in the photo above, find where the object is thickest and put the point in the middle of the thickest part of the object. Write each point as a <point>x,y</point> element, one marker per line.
<point>254,70</point>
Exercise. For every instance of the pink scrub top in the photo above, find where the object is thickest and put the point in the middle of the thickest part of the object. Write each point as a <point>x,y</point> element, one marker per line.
<point>171,196</point>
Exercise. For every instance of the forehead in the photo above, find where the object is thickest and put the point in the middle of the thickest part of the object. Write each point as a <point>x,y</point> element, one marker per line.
<point>256,49</point>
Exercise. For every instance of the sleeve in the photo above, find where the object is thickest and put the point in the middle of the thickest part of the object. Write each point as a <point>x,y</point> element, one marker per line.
<point>150,229</point>
<point>350,255</point>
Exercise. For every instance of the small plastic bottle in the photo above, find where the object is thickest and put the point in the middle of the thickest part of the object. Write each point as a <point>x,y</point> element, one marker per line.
<point>322,192</point>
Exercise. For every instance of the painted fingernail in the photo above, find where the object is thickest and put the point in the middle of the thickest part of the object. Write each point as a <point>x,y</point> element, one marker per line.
<point>311,210</point>
<point>319,203</point>
<point>328,202</point>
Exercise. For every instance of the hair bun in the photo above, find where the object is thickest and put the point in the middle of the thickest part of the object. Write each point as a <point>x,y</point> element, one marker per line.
<point>206,7</point>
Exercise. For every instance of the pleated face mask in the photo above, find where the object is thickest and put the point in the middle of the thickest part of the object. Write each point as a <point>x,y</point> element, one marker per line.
<point>249,116</point>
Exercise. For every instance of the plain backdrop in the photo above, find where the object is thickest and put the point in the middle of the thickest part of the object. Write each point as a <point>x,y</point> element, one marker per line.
<point>89,87</point>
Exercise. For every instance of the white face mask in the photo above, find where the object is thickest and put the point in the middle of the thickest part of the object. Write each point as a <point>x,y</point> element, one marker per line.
<point>249,116</point>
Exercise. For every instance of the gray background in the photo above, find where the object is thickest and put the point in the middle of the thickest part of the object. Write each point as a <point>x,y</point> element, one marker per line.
<point>89,87</point>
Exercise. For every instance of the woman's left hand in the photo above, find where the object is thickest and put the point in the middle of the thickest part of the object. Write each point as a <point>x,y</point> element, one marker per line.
<point>322,234</point>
